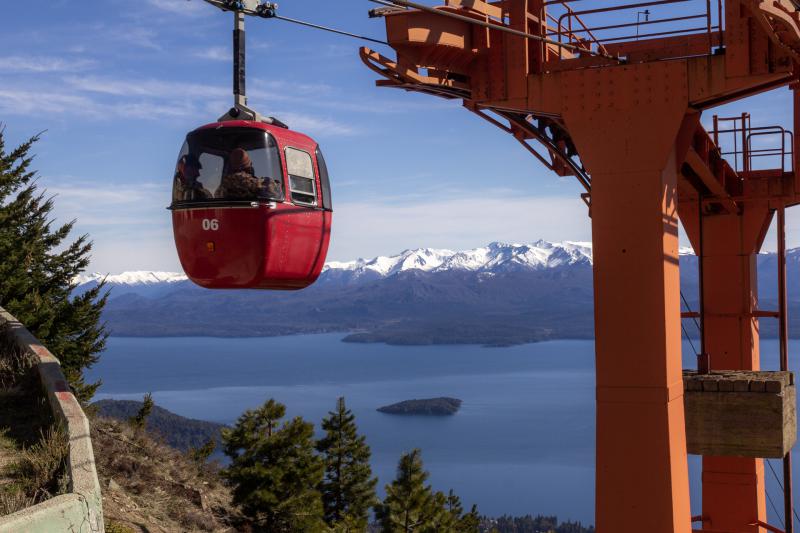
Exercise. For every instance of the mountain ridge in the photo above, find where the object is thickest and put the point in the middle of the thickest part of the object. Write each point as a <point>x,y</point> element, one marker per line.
<point>500,294</point>
<point>539,254</point>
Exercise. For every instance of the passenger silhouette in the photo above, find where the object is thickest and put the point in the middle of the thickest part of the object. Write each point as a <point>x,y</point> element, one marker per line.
<point>240,183</point>
<point>187,186</point>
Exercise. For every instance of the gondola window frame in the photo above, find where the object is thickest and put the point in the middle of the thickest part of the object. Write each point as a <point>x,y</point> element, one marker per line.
<point>299,195</point>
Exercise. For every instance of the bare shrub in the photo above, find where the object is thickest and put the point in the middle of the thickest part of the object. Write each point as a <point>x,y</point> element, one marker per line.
<point>14,363</point>
<point>195,520</point>
<point>116,527</point>
<point>40,466</point>
<point>13,501</point>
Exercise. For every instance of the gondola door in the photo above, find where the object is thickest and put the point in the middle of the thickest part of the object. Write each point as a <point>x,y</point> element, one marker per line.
<point>304,215</point>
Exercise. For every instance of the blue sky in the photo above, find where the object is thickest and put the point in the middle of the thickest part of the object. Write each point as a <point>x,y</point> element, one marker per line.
<point>117,84</point>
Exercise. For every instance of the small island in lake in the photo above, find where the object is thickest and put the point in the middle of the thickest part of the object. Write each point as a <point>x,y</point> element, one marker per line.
<point>430,406</point>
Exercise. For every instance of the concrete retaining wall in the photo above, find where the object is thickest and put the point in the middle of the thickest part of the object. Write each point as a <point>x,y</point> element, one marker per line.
<point>81,510</point>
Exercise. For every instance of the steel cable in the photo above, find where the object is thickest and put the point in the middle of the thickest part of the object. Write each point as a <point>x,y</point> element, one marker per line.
<point>686,333</point>
<point>267,11</point>
<point>689,308</point>
<point>777,479</point>
<point>326,28</point>
<point>772,504</point>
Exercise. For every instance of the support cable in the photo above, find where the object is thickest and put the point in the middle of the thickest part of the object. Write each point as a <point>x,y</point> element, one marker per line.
<point>686,333</point>
<point>267,10</point>
<point>774,509</point>
<point>326,28</point>
<point>778,480</point>
<point>688,338</point>
<point>689,308</point>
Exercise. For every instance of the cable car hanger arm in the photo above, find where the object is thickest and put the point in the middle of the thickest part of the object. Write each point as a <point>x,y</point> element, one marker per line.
<point>262,9</point>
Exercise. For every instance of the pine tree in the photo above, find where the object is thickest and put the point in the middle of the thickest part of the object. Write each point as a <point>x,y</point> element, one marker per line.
<point>37,271</point>
<point>201,454</point>
<point>443,520</point>
<point>410,505</point>
<point>348,488</point>
<point>274,470</point>
<point>139,420</point>
<point>470,522</point>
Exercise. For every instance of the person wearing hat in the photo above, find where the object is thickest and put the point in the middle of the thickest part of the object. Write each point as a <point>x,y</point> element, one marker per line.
<point>240,183</point>
<point>187,186</point>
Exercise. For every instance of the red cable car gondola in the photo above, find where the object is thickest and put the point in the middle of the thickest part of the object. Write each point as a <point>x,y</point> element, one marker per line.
<point>251,207</point>
<point>251,203</point>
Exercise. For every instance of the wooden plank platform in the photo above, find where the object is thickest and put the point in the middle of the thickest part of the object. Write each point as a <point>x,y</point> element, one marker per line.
<point>740,413</point>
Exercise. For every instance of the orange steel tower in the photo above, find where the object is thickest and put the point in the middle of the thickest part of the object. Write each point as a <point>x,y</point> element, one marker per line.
<point>612,94</point>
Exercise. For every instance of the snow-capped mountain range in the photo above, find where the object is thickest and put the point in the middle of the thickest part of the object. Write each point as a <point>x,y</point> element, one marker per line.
<point>496,294</point>
<point>495,257</point>
<point>491,259</point>
<point>135,277</point>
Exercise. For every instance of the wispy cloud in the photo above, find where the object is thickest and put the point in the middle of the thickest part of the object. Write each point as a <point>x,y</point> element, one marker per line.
<point>152,88</point>
<point>179,7</point>
<point>288,89</point>
<point>103,97</point>
<point>373,228</point>
<point>215,53</point>
<point>90,203</point>
<point>42,64</point>
<point>19,102</point>
<point>314,125</point>
<point>140,37</point>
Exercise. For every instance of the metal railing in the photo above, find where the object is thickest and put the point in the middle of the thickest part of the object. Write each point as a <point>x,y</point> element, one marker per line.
<point>574,27</point>
<point>737,146</point>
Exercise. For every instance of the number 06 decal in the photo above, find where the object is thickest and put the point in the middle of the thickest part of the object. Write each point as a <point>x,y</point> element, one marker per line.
<point>210,224</point>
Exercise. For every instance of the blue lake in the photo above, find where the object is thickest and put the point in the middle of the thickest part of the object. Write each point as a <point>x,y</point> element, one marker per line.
<point>523,441</point>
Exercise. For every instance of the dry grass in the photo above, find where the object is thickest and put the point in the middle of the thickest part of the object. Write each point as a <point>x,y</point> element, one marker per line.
<point>32,452</point>
<point>14,364</point>
<point>148,486</point>
<point>11,502</point>
<point>41,467</point>
<point>116,527</point>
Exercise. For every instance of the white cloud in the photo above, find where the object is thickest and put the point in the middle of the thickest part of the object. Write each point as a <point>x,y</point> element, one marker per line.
<point>151,88</point>
<point>215,53</point>
<point>127,222</point>
<point>140,251</point>
<point>132,230</point>
<point>366,229</point>
<point>42,64</point>
<point>179,7</point>
<point>314,125</point>
<point>98,208</point>
<point>20,102</point>
<point>103,98</point>
<point>23,102</point>
<point>141,37</point>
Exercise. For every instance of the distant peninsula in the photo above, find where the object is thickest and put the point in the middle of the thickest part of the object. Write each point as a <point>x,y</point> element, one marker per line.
<point>430,407</point>
<point>179,432</point>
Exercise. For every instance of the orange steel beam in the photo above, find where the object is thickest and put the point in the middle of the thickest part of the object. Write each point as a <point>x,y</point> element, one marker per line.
<point>642,475</point>
<point>628,129</point>
<point>732,487</point>
<point>705,174</point>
